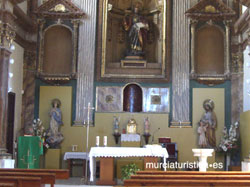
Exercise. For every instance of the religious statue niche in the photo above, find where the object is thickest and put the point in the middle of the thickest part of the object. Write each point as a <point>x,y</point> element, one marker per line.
<point>134,36</point>
<point>58,41</point>
<point>210,41</point>
<point>132,98</point>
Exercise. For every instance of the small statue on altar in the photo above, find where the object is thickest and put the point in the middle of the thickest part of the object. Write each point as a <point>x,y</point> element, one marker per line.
<point>54,137</point>
<point>146,126</point>
<point>137,27</point>
<point>208,124</point>
<point>116,125</point>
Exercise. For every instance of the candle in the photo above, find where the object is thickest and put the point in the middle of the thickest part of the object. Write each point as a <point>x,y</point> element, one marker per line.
<point>105,141</point>
<point>97,140</point>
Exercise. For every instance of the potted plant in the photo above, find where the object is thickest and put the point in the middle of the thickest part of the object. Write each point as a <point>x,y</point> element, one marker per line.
<point>129,170</point>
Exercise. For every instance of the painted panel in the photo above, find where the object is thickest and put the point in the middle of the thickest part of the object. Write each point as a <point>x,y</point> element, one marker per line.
<point>109,99</point>
<point>156,100</point>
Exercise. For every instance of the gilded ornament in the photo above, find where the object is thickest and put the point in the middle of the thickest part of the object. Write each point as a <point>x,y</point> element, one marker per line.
<point>210,9</point>
<point>60,8</point>
<point>131,126</point>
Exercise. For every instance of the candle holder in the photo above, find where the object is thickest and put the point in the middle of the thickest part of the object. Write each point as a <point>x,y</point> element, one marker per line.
<point>146,137</point>
<point>116,136</point>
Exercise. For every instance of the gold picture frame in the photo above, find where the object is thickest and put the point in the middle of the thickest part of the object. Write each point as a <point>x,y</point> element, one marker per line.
<point>110,67</point>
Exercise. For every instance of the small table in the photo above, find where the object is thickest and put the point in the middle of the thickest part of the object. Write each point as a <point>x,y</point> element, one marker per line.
<point>71,156</point>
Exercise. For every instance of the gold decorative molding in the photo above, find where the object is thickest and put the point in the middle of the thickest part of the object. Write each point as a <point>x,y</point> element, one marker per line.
<point>54,13</point>
<point>180,124</point>
<point>7,35</point>
<point>205,78</point>
<point>59,8</point>
<point>105,72</point>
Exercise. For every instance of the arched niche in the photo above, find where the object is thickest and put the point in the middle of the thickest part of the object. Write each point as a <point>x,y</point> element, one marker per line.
<point>132,98</point>
<point>209,50</point>
<point>58,50</point>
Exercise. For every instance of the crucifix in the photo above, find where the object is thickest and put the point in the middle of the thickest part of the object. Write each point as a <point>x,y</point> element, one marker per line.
<point>87,138</point>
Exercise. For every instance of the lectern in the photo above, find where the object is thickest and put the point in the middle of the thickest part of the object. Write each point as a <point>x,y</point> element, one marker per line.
<point>29,150</point>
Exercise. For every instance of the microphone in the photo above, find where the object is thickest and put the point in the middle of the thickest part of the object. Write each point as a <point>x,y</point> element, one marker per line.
<point>153,136</point>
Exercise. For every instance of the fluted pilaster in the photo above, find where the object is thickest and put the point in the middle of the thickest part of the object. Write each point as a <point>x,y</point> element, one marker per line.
<point>180,63</point>
<point>86,58</point>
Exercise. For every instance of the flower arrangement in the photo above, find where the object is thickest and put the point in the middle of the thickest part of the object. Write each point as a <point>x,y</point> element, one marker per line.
<point>39,130</point>
<point>230,141</point>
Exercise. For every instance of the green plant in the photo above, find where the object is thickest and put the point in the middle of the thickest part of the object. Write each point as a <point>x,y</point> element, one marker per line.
<point>129,170</point>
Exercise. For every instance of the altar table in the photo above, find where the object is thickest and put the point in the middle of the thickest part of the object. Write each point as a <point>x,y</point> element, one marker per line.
<point>107,155</point>
<point>71,156</point>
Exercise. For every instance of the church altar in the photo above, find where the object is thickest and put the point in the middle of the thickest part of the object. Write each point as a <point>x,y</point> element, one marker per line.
<point>111,152</point>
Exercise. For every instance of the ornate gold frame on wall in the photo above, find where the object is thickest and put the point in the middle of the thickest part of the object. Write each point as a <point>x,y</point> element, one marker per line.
<point>208,78</point>
<point>74,34</point>
<point>216,13</point>
<point>58,13</point>
<point>103,75</point>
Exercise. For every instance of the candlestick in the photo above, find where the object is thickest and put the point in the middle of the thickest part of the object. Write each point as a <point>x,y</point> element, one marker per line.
<point>97,141</point>
<point>105,141</point>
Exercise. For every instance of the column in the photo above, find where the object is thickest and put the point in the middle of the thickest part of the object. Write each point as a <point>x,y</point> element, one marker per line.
<point>6,38</point>
<point>193,26</point>
<point>86,58</point>
<point>28,99</point>
<point>180,64</point>
<point>246,89</point>
<point>227,64</point>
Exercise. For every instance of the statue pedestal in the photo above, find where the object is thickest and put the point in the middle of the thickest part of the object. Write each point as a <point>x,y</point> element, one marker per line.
<point>203,154</point>
<point>52,159</point>
<point>133,62</point>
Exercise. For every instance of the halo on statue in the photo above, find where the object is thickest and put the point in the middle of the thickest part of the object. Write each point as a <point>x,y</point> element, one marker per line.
<point>209,103</point>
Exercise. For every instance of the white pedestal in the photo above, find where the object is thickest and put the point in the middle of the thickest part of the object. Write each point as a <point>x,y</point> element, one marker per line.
<point>203,154</point>
<point>245,166</point>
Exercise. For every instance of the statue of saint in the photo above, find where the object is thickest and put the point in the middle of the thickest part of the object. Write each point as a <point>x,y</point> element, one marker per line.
<point>208,124</point>
<point>53,134</point>
<point>137,27</point>
<point>202,135</point>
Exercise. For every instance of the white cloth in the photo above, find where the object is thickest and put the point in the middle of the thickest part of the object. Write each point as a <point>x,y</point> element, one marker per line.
<point>130,138</point>
<point>7,163</point>
<point>151,151</point>
<point>75,155</point>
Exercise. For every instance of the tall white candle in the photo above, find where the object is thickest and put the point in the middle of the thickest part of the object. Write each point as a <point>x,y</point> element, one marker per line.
<point>105,141</point>
<point>97,140</point>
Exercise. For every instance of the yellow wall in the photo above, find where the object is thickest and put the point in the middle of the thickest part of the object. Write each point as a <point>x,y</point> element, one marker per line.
<point>186,138</point>
<point>244,134</point>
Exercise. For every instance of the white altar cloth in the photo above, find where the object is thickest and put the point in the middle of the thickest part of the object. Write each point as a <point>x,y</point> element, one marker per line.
<point>75,155</point>
<point>7,163</point>
<point>130,138</point>
<point>149,151</point>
